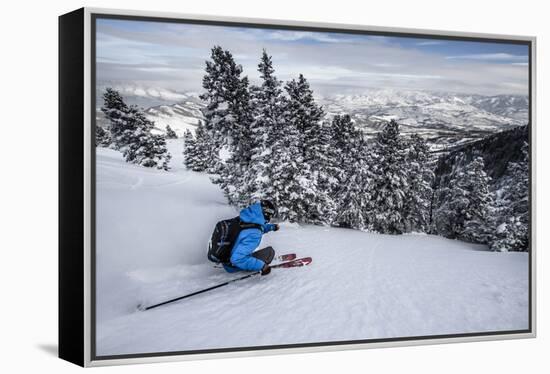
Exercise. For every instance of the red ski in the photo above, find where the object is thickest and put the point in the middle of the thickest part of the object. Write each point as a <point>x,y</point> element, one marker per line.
<point>294,263</point>
<point>277,259</point>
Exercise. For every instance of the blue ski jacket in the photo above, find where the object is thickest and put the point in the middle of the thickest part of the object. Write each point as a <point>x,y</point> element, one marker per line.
<point>248,240</point>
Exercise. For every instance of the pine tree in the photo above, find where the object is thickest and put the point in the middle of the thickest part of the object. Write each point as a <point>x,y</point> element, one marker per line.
<point>268,105</point>
<point>148,150</point>
<point>228,116</point>
<point>389,185</point>
<point>349,173</point>
<point>124,119</point>
<point>354,195</point>
<point>416,209</point>
<point>511,218</point>
<point>511,235</point>
<point>131,133</point>
<point>519,195</point>
<point>228,112</point>
<point>206,156</point>
<point>306,115</point>
<point>286,188</point>
<point>144,148</point>
<point>170,134</point>
<point>189,151</point>
<point>302,113</point>
<point>468,201</point>
<point>267,129</point>
<point>329,164</point>
<point>502,224</point>
<point>102,137</point>
<point>346,143</point>
<point>355,199</point>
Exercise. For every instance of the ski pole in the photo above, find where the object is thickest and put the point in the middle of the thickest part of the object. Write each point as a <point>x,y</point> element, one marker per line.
<point>202,291</point>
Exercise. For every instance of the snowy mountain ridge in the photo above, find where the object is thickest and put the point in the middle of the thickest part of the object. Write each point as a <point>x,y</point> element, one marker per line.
<point>184,115</point>
<point>442,118</point>
<point>392,97</point>
<point>424,112</point>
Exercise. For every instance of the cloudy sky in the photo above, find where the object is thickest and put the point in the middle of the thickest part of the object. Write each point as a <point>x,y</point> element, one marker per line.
<point>163,59</point>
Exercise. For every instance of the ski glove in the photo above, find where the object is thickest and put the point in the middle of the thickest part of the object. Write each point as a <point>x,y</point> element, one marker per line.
<point>266,269</point>
<point>276,227</point>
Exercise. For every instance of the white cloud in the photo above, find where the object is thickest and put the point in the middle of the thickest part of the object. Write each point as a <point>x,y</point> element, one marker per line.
<point>306,35</point>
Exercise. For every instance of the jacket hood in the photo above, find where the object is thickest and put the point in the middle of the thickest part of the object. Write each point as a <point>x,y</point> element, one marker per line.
<point>253,214</point>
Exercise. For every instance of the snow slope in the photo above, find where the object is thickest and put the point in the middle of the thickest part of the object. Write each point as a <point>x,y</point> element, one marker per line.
<point>152,229</point>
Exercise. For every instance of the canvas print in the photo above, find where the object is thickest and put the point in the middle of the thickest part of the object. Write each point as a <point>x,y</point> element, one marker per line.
<point>267,186</point>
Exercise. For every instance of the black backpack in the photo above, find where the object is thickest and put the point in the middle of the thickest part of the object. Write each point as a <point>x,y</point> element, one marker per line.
<point>223,238</point>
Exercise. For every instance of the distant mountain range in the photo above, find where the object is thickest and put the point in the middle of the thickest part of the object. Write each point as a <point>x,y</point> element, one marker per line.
<point>444,119</point>
<point>417,109</point>
<point>181,116</point>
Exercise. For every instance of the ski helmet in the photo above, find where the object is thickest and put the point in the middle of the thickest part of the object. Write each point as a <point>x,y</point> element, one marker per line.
<point>268,209</point>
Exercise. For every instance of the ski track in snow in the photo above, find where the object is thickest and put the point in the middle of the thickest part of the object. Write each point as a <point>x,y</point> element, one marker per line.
<point>153,227</point>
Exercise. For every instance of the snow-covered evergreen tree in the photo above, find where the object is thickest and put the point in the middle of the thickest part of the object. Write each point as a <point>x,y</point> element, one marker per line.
<point>268,104</point>
<point>227,114</point>
<point>276,168</point>
<point>416,209</point>
<point>102,137</point>
<point>389,185</point>
<point>476,224</point>
<point>190,151</point>
<point>464,213</point>
<point>353,205</point>
<point>346,142</point>
<point>147,150</point>
<point>206,153</point>
<point>228,118</point>
<point>349,173</point>
<point>288,190</point>
<point>120,116</point>
<point>131,133</point>
<point>306,115</point>
<point>303,114</point>
<point>511,218</point>
<point>502,224</point>
<point>511,235</point>
<point>329,165</point>
<point>354,195</point>
<point>170,134</point>
<point>267,129</point>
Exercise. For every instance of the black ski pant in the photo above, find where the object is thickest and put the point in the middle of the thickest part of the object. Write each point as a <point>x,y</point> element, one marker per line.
<point>265,254</point>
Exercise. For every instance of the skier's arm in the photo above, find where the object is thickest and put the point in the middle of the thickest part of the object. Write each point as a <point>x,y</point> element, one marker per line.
<point>271,227</point>
<point>242,254</point>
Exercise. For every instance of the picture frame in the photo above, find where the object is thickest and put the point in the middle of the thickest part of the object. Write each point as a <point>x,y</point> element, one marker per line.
<point>83,280</point>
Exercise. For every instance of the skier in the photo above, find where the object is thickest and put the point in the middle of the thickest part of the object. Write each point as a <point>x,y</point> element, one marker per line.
<point>243,256</point>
